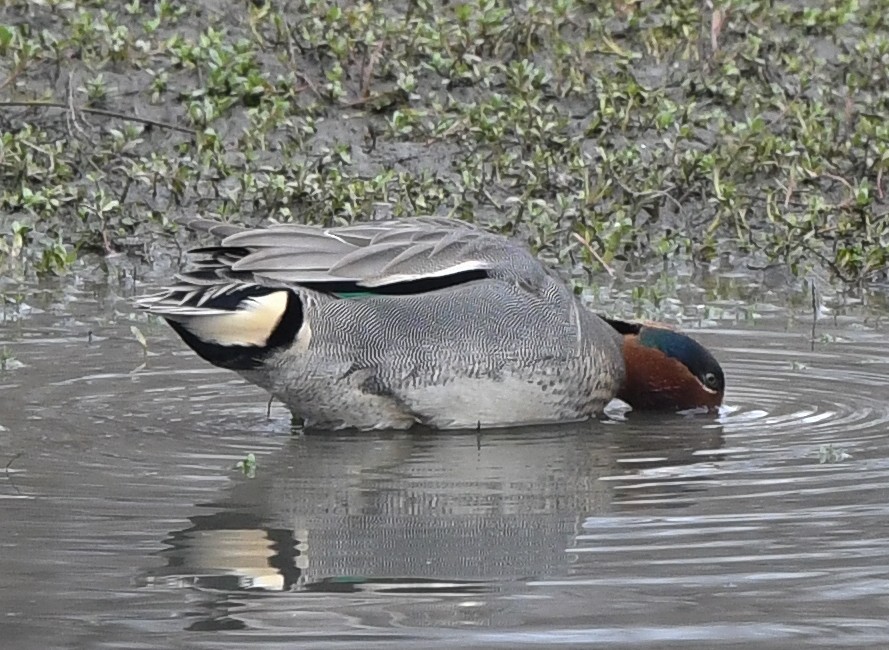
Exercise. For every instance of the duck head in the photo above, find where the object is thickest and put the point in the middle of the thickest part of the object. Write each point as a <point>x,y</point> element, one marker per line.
<point>667,370</point>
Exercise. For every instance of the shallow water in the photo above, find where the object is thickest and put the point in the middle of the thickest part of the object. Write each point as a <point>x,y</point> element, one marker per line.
<point>124,524</point>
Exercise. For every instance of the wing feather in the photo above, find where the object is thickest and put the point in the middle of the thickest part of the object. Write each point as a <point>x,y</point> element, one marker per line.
<point>371,255</point>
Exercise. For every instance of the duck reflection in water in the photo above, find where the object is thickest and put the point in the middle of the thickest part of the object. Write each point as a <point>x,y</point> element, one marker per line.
<point>408,513</point>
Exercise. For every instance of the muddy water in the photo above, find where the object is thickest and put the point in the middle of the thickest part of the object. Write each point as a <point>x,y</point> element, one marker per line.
<point>124,524</point>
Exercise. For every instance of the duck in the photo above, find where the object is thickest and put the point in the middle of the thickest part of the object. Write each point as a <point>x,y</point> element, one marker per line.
<point>419,321</point>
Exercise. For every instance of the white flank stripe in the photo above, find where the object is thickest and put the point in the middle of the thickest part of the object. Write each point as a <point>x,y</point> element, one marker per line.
<point>471,265</point>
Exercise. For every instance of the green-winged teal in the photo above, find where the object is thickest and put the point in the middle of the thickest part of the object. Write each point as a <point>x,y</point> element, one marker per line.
<point>423,320</point>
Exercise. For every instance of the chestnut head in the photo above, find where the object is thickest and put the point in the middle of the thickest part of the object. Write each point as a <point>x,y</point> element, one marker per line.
<point>667,370</point>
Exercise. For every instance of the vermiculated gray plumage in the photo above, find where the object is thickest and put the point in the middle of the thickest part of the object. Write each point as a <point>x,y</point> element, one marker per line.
<point>388,324</point>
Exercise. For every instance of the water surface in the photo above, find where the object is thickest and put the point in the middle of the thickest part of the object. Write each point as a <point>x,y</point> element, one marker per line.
<point>124,524</point>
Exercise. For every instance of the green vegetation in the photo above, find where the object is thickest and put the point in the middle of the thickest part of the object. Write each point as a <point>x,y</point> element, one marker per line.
<point>752,133</point>
<point>831,454</point>
<point>247,466</point>
<point>8,361</point>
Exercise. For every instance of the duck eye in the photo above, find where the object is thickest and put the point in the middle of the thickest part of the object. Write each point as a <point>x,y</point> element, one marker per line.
<point>710,380</point>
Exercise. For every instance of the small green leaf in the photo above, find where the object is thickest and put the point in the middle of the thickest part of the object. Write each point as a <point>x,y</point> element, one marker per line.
<point>829,454</point>
<point>137,334</point>
<point>6,34</point>
<point>247,466</point>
